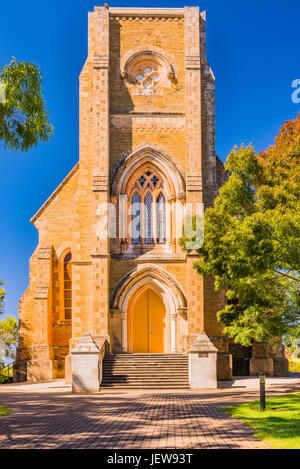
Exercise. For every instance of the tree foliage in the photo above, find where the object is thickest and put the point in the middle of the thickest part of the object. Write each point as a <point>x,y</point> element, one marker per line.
<point>23,115</point>
<point>23,123</point>
<point>2,294</point>
<point>252,240</point>
<point>8,337</point>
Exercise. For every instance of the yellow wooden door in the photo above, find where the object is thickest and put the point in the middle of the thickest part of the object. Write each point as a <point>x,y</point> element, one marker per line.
<point>148,323</point>
<point>156,322</point>
<point>139,324</point>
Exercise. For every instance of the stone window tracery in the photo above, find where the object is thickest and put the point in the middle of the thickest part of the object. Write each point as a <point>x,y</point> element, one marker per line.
<point>146,70</point>
<point>147,170</point>
<point>147,77</point>
<point>147,210</point>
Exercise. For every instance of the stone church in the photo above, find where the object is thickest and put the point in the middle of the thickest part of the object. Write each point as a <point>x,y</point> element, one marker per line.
<point>109,275</point>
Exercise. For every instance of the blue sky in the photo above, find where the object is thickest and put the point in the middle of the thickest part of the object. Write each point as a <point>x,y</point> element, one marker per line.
<point>252,47</point>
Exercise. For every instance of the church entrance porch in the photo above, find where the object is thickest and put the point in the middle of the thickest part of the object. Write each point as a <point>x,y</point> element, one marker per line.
<point>147,316</point>
<point>148,309</point>
<point>148,319</point>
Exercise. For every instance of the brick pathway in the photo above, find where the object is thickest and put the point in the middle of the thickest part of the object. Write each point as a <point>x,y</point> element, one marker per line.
<point>50,416</point>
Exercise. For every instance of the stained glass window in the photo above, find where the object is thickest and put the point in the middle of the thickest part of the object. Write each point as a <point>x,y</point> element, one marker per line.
<point>161,218</point>
<point>148,219</point>
<point>136,218</point>
<point>146,208</point>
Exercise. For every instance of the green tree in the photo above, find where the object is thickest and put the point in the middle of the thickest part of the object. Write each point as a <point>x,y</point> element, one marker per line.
<point>23,115</point>
<point>23,123</point>
<point>8,338</point>
<point>2,294</point>
<point>252,240</point>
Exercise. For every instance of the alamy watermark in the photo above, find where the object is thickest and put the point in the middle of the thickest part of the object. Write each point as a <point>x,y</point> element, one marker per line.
<point>163,222</point>
<point>296,93</point>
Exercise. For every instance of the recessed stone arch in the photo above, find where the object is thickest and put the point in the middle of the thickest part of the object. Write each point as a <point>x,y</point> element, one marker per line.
<point>147,158</point>
<point>154,272</point>
<point>147,154</point>
<point>139,54</point>
<point>63,249</point>
<point>149,276</point>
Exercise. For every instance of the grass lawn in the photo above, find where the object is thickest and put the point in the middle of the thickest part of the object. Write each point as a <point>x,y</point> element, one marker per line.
<point>278,425</point>
<point>4,411</point>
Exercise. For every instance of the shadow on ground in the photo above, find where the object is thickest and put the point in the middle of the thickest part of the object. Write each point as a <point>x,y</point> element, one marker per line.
<point>137,419</point>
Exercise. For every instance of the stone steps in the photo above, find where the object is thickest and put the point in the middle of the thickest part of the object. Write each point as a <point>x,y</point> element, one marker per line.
<point>141,365</point>
<point>146,371</point>
<point>141,371</point>
<point>146,385</point>
<point>143,374</point>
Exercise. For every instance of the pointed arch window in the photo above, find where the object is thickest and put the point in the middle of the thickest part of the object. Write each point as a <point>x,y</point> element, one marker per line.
<point>148,219</point>
<point>66,287</point>
<point>161,218</point>
<point>136,218</point>
<point>147,209</point>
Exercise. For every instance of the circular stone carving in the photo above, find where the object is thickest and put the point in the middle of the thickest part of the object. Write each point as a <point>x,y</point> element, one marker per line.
<point>147,69</point>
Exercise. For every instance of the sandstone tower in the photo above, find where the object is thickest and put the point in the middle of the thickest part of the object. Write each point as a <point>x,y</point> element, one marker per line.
<point>109,262</point>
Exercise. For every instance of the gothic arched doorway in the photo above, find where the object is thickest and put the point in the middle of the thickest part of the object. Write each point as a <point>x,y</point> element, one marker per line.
<point>147,315</point>
<point>168,290</point>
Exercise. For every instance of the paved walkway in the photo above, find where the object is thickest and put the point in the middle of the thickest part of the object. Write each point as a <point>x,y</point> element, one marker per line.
<point>48,415</point>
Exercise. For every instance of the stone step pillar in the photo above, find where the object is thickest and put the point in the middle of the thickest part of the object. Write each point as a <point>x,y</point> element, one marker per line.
<point>86,364</point>
<point>203,363</point>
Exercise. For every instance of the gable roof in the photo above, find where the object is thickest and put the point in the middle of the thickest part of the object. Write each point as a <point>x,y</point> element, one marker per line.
<point>54,194</point>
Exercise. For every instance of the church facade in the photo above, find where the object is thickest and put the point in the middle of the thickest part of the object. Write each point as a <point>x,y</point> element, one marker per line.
<point>109,262</point>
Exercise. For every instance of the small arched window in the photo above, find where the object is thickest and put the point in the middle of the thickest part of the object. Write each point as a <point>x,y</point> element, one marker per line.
<point>66,287</point>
